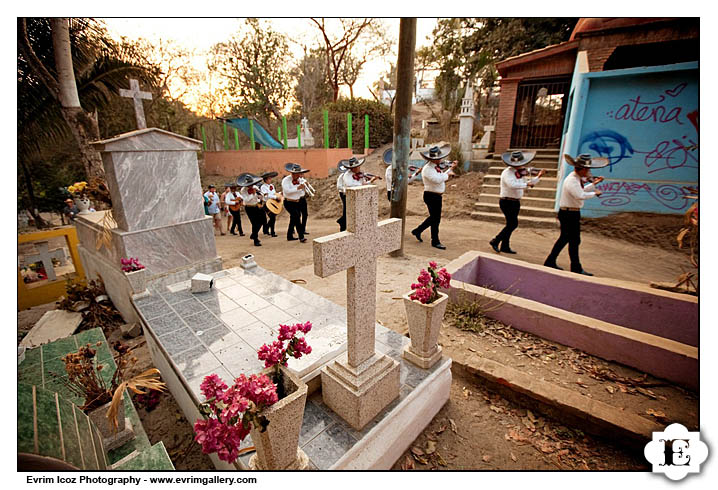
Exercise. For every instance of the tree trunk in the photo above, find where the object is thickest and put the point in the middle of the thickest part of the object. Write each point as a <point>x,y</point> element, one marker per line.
<point>39,222</point>
<point>84,126</point>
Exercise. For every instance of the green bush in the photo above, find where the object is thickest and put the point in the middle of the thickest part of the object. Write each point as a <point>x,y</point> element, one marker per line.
<point>381,123</point>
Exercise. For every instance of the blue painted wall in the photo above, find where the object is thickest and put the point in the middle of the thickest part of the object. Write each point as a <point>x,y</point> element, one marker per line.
<point>644,120</point>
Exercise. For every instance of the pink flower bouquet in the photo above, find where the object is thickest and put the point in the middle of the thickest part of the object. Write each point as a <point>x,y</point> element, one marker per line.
<point>131,265</point>
<point>427,289</point>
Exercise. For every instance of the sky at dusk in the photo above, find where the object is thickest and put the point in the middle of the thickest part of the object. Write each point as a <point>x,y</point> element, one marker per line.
<point>200,34</point>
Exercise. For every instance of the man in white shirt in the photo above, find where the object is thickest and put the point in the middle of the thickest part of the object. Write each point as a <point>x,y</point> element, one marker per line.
<point>269,192</point>
<point>234,203</point>
<point>575,190</point>
<point>342,221</point>
<point>293,189</point>
<point>252,203</point>
<point>353,177</point>
<point>387,177</point>
<point>514,179</point>
<point>213,207</point>
<point>434,175</point>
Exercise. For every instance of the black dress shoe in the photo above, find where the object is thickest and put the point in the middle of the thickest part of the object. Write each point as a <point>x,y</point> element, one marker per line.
<point>553,266</point>
<point>306,232</point>
<point>495,245</point>
<point>257,243</point>
<point>584,273</point>
<point>417,235</point>
<point>232,233</point>
<point>291,238</point>
<point>241,234</point>
<point>439,246</point>
<point>274,235</point>
<point>302,240</point>
<point>507,251</point>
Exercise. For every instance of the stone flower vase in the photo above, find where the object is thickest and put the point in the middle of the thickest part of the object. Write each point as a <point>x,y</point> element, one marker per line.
<point>278,446</point>
<point>83,204</point>
<point>137,280</point>
<point>111,438</point>
<point>424,325</point>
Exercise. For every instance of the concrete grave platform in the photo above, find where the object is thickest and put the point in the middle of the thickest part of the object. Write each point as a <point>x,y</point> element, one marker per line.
<point>53,325</point>
<point>651,330</point>
<point>194,335</point>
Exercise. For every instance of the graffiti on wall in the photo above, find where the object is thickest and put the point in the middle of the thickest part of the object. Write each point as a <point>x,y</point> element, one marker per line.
<point>620,193</point>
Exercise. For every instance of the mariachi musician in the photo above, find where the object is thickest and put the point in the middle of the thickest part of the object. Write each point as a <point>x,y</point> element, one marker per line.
<point>342,221</point>
<point>252,198</point>
<point>354,177</point>
<point>268,192</point>
<point>434,174</point>
<point>514,179</point>
<point>234,203</point>
<point>294,189</point>
<point>578,186</point>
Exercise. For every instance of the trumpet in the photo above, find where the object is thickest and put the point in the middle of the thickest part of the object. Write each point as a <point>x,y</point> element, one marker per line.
<point>307,187</point>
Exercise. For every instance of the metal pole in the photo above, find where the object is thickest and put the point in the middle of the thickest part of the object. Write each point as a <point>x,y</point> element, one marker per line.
<point>236,139</point>
<point>349,130</point>
<point>299,136</point>
<point>204,139</point>
<point>402,123</point>
<point>251,133</point>
<point>326,129</point>
<point>366,133</point>
<point>226,138</point>
<point>284,130</point>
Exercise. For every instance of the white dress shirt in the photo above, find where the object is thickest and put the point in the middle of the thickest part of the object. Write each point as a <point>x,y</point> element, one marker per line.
<point>572,194</point>
<point>340,183</point>
<point>268,191</point>
<point>249,199</point>
<point>387,177</point>
<point>512,186</point>
<point>232,198</point>
<point>350,181</point>
<point>291,191</point>
<point>434,181</point>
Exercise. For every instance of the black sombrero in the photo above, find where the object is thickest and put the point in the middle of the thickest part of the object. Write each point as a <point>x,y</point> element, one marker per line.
<point>388,155</point>
<point>352,162</point>
<point>341,167</point>
<point>517,158</point>
<point>436,153</point>
<point>295,168</point>
<point>246,179</point>
<point>584,160</point>
<point>269,175</point>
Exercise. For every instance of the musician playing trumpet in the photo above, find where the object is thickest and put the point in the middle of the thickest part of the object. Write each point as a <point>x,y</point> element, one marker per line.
<point>269,192</point>
<point>252,198</point>
<point>434,174</point>
<point>514,179</point>
<point>294,189</point>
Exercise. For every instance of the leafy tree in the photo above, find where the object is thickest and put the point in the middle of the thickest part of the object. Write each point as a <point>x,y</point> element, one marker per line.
<point>255,67</point>
<point>313,89</point>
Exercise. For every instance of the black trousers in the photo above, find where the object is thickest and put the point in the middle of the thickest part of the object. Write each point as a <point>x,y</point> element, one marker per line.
<point>433,204</point>
<point>304,212</point>
<point>268,227</point>
<point>295,218</point>
<point>257,218</point>
<point>388,195</point>
<point>571,235</point>
<point>511,209</point>
<point>343,218</point>
<point>236,221</point>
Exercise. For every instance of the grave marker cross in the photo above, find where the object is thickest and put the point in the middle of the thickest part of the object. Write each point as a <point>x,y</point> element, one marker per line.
<point>137,96</point>
<point>45,255</point>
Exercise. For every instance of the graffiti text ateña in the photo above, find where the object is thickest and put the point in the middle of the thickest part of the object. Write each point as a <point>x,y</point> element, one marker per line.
<point>639,110</point>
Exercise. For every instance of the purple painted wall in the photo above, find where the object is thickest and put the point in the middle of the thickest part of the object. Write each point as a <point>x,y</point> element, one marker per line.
<point>650,313</point>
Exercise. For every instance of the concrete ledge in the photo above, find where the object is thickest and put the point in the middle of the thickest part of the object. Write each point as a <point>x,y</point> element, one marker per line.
<point>562,404</point>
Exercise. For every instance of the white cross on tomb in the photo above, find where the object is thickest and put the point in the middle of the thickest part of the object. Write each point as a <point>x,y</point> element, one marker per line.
<point>45,256</point>
<point>370,381</point>
<point>137,96</point>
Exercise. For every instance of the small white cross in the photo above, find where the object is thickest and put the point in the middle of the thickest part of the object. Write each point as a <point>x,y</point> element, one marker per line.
<point>45,256</point>
<point>137,96</point>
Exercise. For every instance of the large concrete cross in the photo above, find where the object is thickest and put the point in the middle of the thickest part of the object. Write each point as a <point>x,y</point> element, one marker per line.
<point>136,95</point>
<point>361,383</point>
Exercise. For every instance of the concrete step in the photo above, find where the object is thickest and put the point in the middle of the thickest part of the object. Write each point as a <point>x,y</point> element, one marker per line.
<point>524,221</point>
<point>526,201</point>
<point>545,192</point>
<point>536,163</point>
<point>544,183</point>
<point>525,210</point>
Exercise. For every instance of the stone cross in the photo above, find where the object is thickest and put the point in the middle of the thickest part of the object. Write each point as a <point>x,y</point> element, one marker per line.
<point>361,383</point>
<point>45,256</point>
<point>135,94</point>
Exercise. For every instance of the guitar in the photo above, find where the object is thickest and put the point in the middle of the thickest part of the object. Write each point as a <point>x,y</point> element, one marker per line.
<point>236,207</point>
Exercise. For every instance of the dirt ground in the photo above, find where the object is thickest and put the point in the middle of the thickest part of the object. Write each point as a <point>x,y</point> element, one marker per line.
<point>475,429</point>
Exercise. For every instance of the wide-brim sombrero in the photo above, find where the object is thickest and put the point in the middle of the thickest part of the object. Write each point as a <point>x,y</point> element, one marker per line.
<point>247,179</point>
<point>584,160</point>
<point>352,162</point>
<point>269,175</point>
<point>517,158</point>
<point>295,168</point>
<point>387,156</point>
<point>436,153</point>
